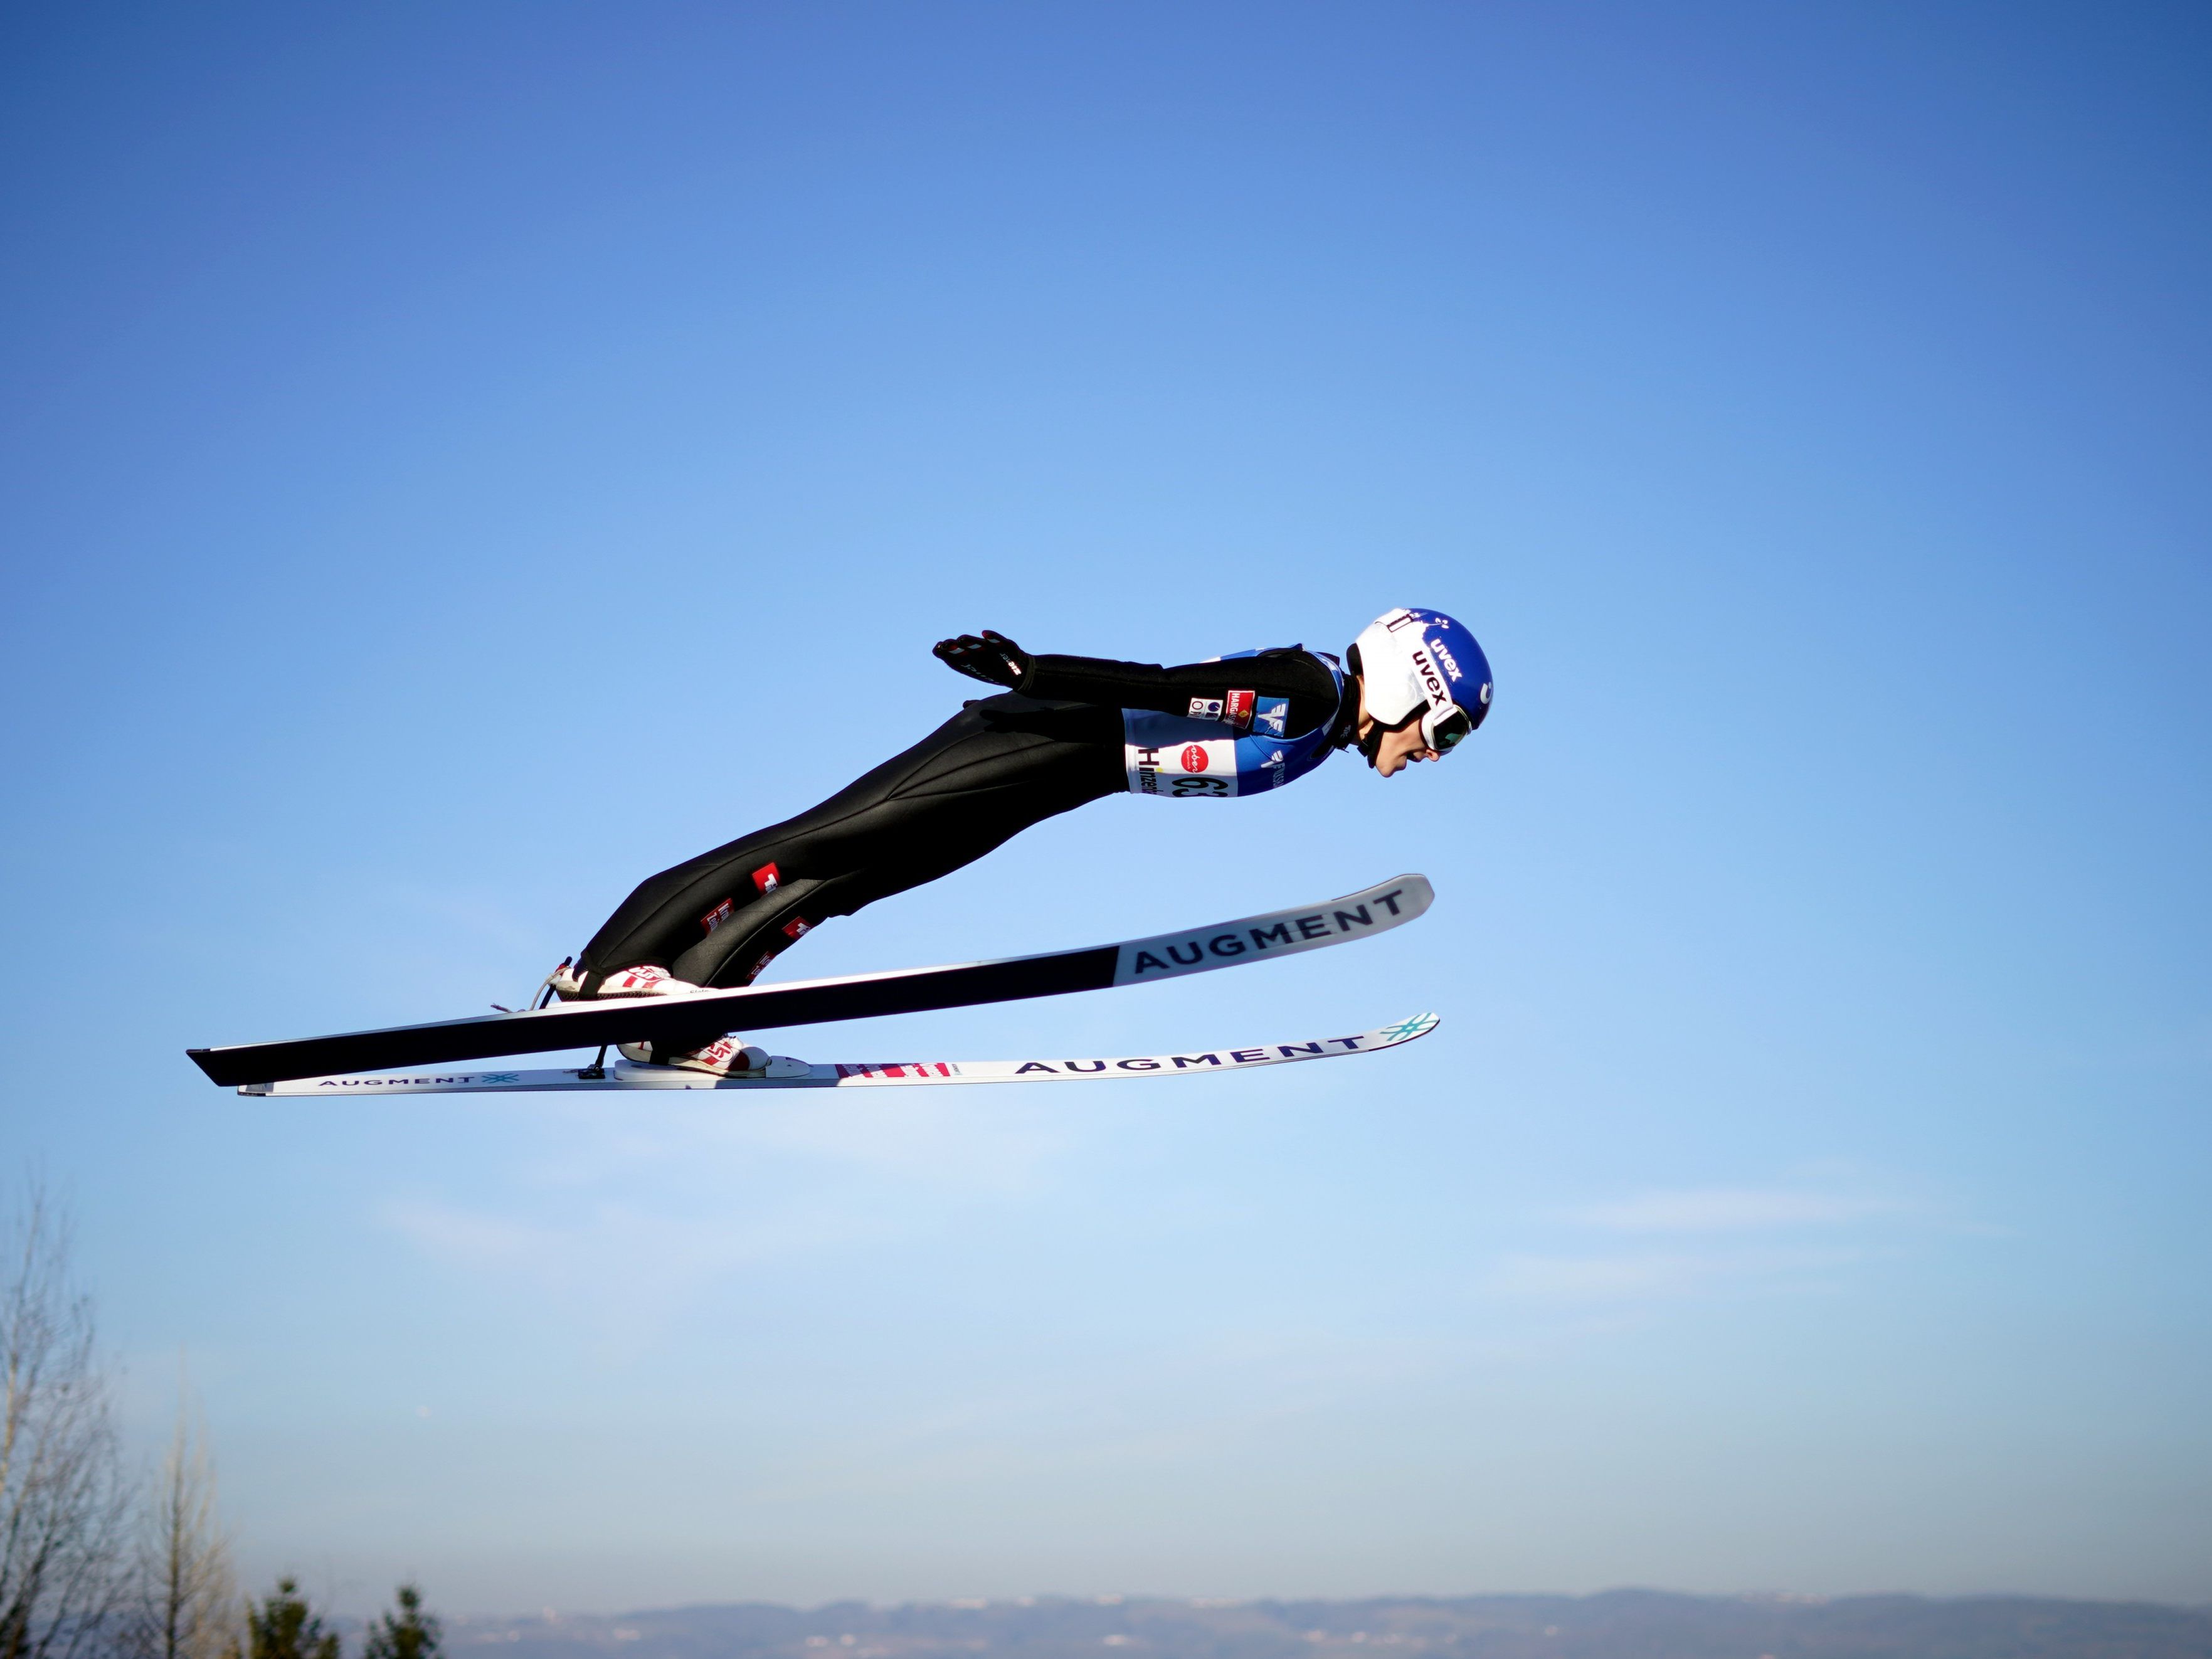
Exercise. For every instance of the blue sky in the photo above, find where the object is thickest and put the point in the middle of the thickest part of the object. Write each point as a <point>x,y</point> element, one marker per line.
<point>461,460</point>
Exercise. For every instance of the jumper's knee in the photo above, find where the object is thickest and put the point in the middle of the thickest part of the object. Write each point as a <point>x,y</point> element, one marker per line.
<point>740,941</point>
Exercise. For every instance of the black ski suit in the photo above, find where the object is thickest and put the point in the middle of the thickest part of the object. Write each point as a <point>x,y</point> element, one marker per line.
<point>1000,765</point>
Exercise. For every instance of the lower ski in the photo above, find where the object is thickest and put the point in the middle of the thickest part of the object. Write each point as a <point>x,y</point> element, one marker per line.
<point>691,1020</point>
<point>787,1073</point>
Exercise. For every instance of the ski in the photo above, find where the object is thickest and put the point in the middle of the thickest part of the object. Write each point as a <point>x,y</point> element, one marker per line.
<point>697,1019</point>
<point>783,1073</point>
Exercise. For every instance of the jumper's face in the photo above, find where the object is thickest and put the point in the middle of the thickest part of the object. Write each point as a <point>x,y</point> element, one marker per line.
<point>1399,748</point>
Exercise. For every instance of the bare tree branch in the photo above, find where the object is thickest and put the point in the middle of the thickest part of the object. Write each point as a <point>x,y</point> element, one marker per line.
<point>184,1598</point>
<point>63,1507</point>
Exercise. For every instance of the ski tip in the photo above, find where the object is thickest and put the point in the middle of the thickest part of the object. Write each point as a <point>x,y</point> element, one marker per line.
<point>1406,1030</point>
<point>1408,896</point>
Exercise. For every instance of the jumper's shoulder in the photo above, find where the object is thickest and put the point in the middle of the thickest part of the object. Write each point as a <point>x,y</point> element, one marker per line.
<point>1309,680</point>
<point>1315,667</point>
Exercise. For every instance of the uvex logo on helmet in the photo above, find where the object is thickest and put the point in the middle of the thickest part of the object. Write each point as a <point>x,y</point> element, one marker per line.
<point>1432,682</point>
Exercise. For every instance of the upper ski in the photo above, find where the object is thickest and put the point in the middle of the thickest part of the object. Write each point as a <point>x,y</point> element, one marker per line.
<point>811,1002</point>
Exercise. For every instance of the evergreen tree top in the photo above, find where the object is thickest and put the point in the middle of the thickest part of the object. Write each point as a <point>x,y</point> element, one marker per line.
<point>284,1627</point>
<point>411,1634</point>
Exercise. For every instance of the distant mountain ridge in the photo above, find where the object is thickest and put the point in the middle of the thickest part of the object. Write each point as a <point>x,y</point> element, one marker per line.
<point>1615,1625</point>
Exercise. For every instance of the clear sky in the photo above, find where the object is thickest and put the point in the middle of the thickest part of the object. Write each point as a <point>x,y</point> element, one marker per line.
<point>459,460</point>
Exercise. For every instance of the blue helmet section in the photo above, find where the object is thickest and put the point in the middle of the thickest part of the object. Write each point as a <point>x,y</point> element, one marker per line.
<point>1465,665</point>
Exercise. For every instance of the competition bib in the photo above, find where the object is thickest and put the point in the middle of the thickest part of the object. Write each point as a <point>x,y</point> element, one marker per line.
<point>1189,757</point>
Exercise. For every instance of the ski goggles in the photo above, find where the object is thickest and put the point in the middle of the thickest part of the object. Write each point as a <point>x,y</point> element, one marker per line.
<point>1444,726</point>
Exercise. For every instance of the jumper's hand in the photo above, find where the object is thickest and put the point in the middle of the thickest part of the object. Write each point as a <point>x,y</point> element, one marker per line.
<point>990,658</point>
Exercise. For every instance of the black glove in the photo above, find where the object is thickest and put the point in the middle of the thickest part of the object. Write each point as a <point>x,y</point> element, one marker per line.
<point>990,658</point>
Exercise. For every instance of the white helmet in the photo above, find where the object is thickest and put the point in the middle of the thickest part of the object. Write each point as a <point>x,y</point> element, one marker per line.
<point>1422,662</point>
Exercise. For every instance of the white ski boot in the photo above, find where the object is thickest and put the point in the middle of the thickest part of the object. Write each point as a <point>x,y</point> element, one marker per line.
<point>567,982</point>
<point>725,1056</point>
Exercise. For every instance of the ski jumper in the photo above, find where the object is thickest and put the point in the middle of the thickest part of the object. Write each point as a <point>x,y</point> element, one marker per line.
<point>1075,729</point>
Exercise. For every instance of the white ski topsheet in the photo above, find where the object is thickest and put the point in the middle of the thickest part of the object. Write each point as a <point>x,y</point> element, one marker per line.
<point>787,1073</point>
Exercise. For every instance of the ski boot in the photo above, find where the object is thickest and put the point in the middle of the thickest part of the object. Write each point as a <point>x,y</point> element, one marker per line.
<point>725,1056</point>
<point>567,982</point>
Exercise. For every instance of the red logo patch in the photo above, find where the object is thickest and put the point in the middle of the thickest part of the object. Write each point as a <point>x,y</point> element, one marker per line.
<point>1194,758</point>
<point>795,927</point>
<point>715,917</point>
<point>1239,711</point>
<point>767,878</point>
